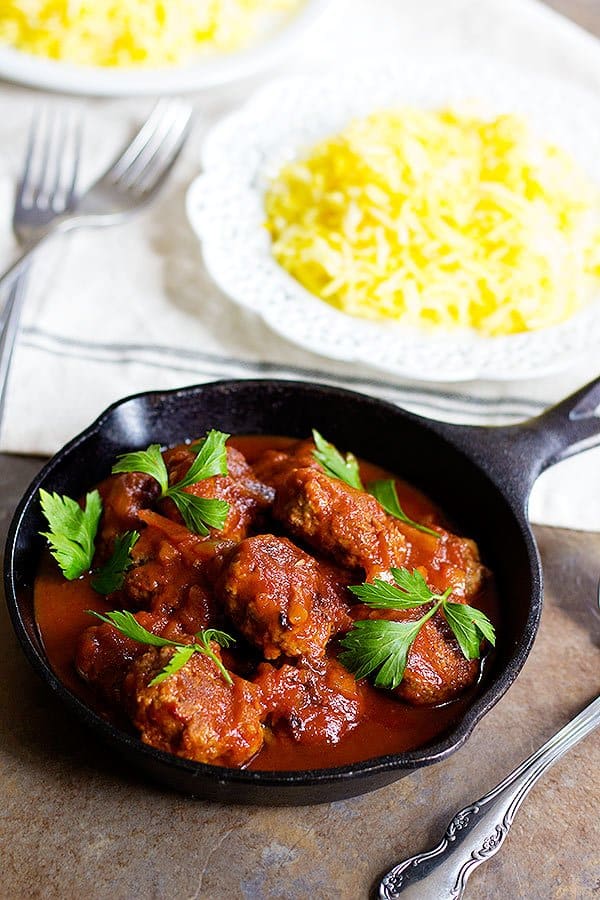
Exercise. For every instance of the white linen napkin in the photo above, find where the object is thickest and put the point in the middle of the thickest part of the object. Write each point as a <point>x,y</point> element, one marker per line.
<point>131,308</point>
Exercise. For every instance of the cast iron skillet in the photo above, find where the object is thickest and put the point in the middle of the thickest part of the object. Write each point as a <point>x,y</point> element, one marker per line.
<point>482,477</point>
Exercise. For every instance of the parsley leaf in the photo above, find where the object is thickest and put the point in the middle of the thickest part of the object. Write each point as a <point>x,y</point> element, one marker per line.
<point>111,575</point>
<point>385,492</point>
<point>377,645</point>
<point>411,590</point>
<point>334,464</point>
<point>414,585</point>
<point>213,634</point>
<point>72,530</point>
<point>381,646</point>
<point>210,460</point>
<point>128,625</point>
<point>470,627</point>
<point>180,657</point>
<point>199,513</point>
<point>125,622</point>
<point>149,462</point>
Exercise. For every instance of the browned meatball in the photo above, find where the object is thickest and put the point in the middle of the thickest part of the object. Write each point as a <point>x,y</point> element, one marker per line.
<point>315,702</point>
<point>194,713</point>
<point>281,598</point>
<point>353,528</point>
<point>336,519</point>
<point>165,573</point>
<point>436,670</point>
<point>247,497</point>
<point>103,654</point>
<point>158,571</point>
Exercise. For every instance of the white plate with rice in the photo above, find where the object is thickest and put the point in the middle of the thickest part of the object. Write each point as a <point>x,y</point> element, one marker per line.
<point>245,151</point>
<point>275,33</point>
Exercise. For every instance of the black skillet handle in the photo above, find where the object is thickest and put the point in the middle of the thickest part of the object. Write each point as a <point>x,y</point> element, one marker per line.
<point>570,427</point>
<point>516,455</point>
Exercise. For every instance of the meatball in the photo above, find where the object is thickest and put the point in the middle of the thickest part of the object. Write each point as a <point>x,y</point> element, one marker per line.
<point>172,573</point>
<point>164,575</point>
<point>352,527</point>
<point>437,670</point>
<point>281,598</point>
<point>194,713</point>
<point>247,497</point>
<point>314,702</point>
<point>347,524</point>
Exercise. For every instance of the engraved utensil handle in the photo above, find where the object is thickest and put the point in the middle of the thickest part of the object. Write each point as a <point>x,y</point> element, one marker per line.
<point>478,831</point>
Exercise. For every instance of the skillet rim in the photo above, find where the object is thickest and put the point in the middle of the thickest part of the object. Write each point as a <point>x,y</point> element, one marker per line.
<point>435,751</point>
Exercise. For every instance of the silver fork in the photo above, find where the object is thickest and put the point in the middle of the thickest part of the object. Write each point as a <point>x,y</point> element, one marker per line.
<point>45,191</point>
<point>477,832</point>
<point>129,184</point>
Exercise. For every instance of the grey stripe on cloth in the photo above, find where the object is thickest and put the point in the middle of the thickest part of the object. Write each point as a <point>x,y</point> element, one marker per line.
<point>429,400</point>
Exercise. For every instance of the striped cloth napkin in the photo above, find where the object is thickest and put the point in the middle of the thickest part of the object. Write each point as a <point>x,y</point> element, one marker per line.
<point>113,312</point>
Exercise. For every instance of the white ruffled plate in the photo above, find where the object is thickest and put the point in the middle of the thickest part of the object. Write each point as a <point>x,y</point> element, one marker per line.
<point>225,208</point>
<point>207,71</point>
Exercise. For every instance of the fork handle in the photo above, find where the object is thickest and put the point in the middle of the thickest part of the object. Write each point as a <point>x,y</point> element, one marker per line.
<point>477,832</point>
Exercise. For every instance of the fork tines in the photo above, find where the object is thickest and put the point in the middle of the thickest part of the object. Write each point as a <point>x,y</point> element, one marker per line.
<point>52,158</point>
<point>154,149</point>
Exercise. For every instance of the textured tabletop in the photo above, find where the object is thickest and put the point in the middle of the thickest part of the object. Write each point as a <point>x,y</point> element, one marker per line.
<point>75,823</point>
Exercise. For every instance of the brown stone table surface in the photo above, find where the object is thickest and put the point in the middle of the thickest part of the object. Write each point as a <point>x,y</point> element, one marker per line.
<point>76,823</point>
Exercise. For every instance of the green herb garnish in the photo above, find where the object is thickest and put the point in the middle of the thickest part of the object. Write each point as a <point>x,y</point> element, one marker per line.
<point>385,492</point>
<point>72,530</point>
<point>409,591</point>
<point>111,575</point>
<point>469,625</point>
<point>128,625</point>
<point>199,513</point>
<point>380,646</point>
<point>345,468</point>
<point>149,462</point>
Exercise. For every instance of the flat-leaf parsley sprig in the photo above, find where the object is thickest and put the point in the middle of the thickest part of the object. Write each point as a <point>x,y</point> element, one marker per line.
<point>72,540</point>
<point>128,625</point>
<point>199,513</point>
<point>72,531</point>
<point>381,646</point>
<point>345,468</point>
